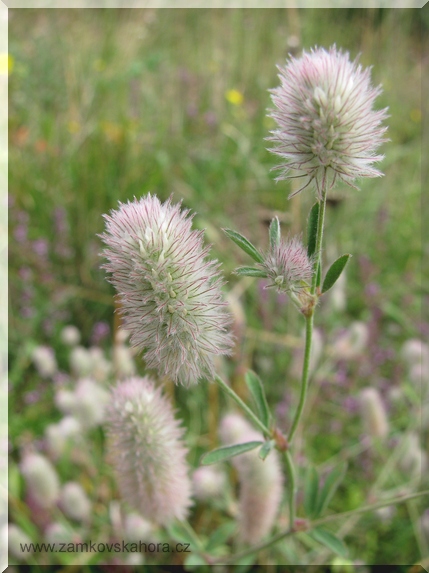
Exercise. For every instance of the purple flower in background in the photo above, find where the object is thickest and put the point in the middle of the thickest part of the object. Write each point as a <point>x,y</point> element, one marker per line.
<point>100,331</point>
<point>40,247</point>
<point>326,127</point>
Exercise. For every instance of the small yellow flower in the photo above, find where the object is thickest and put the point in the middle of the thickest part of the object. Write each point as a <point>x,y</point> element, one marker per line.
<point>112,131</point>
<point>234,96</point>
<point>6,64</point>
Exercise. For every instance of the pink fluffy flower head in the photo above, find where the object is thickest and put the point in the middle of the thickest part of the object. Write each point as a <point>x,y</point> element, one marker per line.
<point>326,127</point>
<point>288,265</point>
<point>170,293</point>
<point>146,449</point>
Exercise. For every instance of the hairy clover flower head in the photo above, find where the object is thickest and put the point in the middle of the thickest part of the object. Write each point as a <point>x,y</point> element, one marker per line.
<point>147,452</point>
<point>170,293</point>
<point>288,265</point>
<point>326,127</point>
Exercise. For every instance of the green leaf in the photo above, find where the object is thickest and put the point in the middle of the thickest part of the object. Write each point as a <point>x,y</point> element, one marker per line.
<point>274,232</point>
<point>311,489</point>
<point>221,454</point>
<point>244,244</point>
<point>195,562</point>
<point>178,532</point>
<point>221,535</point>
<point>334,272</point>
<point>256,388</point>
<point>330,486</point>
<point>266,449</point>
<point>312,229</point>
<point>250,272</point>
<point>329,540</point>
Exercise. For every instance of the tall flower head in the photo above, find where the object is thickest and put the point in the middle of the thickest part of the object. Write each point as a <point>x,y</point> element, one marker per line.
<point>261,481</point>
<point>326,127</point>
<point>169,291</point>
<point>146,449</point>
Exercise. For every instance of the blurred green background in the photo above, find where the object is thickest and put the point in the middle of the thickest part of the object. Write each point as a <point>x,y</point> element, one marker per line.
<point>105,105</point>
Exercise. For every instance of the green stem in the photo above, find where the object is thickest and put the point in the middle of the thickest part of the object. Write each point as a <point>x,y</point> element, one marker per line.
<point>243,406</point>
<point>319,239</point>
<point>283,534</point>
<point>292,487</point>
<point>305,375</point>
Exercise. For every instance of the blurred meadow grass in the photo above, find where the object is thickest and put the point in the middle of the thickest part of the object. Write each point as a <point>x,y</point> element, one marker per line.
<point>105,105</point>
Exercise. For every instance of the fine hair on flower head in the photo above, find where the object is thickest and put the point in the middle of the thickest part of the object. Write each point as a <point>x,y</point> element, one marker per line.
<point>169,291</point>
<point>326,127</point>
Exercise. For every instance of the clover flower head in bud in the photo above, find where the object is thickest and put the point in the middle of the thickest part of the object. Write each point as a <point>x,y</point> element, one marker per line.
<point>145,447</point>
<point>170,293</point>
<point>288,265</point>
<point>326,127</point>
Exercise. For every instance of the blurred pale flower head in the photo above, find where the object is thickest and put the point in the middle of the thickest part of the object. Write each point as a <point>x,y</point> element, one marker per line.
<point>81,361</point>
<point>60,436</point>
<point>41,479</point>
<point>58,532</point>
<point>414,461</point>
<point>146,449</point>
<point>261,481</point>
<point>137,528</point>
<point>65,400</point>
<point>124,361</point>
<point>74,502</point>
<point>208,483</point>
<point>91,401</point>
<point>16,538</point>
<point>44,360</point>
<point>70,335</point>
<point>100,367</point>
<point>169,291</point>
<point>373,413</point>
<point>352,343</point>
<point>326,127</point>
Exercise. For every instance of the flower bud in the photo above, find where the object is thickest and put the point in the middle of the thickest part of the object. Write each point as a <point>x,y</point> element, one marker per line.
<point>145,447</point>
<point>261,481</point>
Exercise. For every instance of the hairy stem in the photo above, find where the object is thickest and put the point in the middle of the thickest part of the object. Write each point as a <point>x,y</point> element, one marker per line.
<point>319,239</point>
<point>292,487</point>
<point>283,534</point>
<point>305,375</point>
